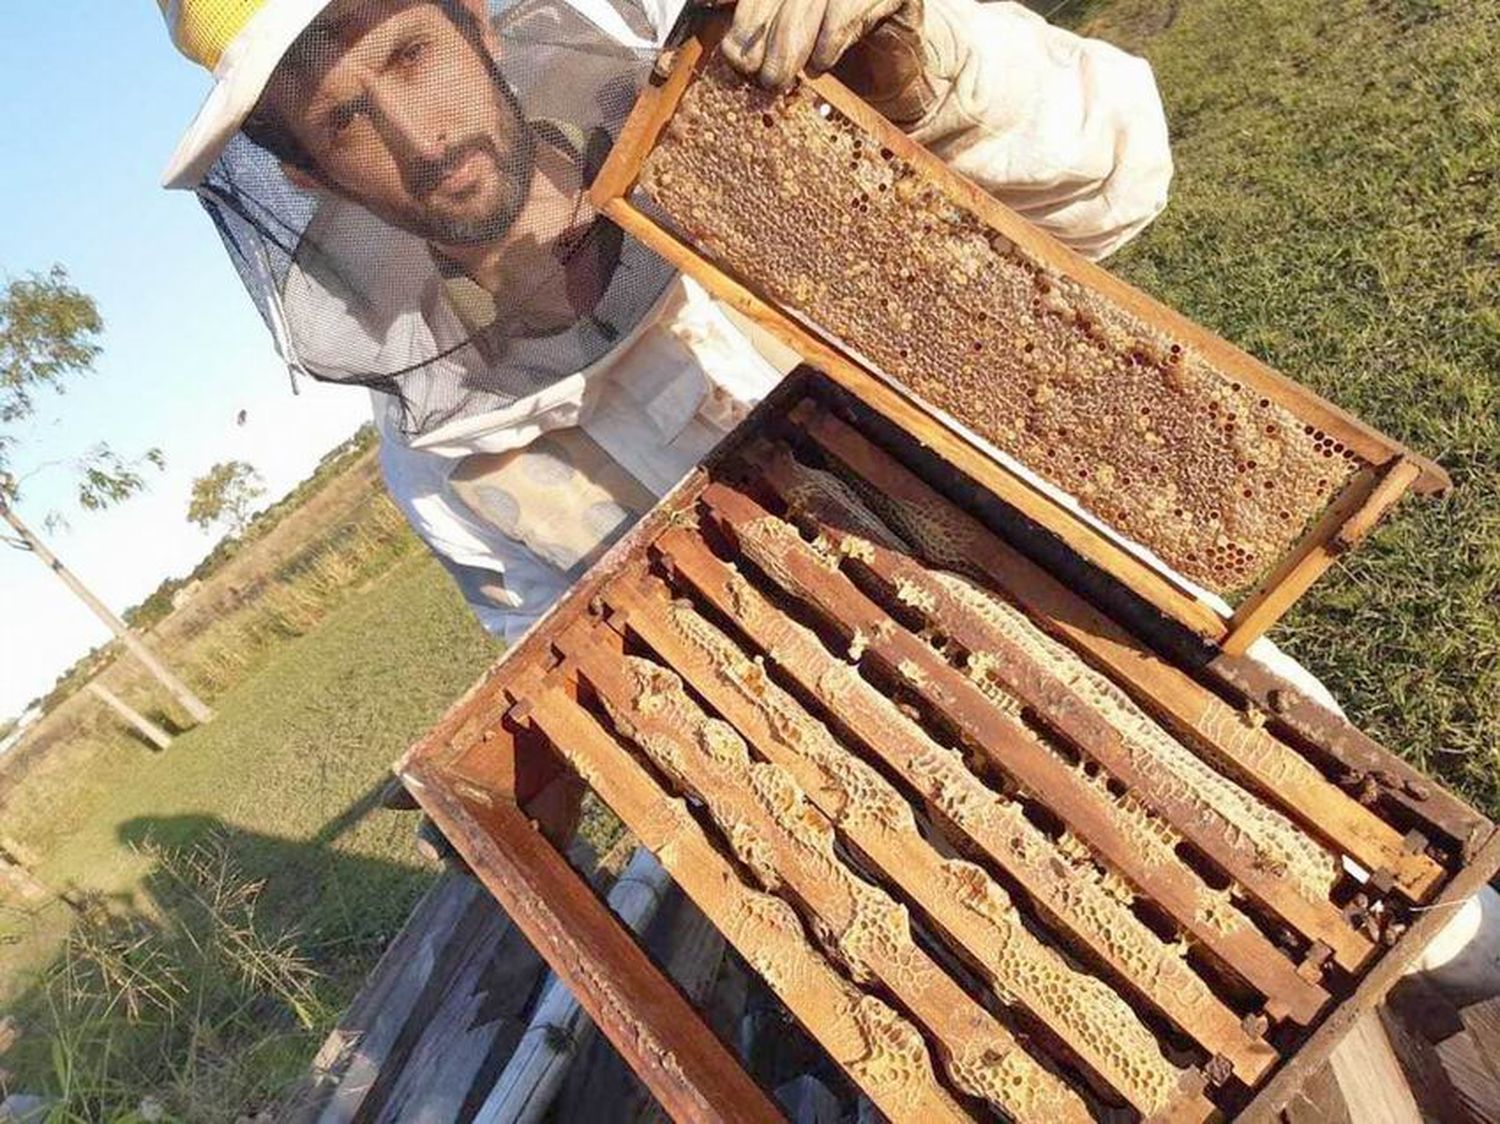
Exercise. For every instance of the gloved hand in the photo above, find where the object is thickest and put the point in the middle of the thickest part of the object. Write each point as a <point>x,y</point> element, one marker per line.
<point>875,47</point>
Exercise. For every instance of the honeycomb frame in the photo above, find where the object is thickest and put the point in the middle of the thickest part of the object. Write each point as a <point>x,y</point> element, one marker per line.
<point>778,677</point>
<point>1237,478</point>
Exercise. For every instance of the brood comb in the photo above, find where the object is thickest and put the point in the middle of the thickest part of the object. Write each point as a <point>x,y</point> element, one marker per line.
<point>990,849</point>
<point>807,206</point>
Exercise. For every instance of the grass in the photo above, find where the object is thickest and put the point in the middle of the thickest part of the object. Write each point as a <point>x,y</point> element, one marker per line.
<point>277,588</point>
<point>1336,211</point>
<point>286,781</point>
<point>186,1014</point>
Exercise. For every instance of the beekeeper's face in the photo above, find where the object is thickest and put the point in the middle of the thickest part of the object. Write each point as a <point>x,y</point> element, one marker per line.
<point>399,105</point>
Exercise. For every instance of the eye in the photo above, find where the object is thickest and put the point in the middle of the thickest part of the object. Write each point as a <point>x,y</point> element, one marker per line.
<point>411,52</point>
<point>341,118</point>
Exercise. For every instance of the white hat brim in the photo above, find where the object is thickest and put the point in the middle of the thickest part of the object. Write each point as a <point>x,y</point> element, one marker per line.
<point>239,80</point>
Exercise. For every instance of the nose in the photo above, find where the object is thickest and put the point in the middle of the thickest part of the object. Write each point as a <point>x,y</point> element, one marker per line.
<point>415,134</point>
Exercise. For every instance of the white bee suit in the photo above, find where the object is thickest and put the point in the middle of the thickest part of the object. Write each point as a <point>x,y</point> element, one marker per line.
<point>1068,131</point>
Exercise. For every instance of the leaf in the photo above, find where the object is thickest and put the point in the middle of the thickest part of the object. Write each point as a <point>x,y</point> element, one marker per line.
<point>48,331</point>
<point>225,494</point>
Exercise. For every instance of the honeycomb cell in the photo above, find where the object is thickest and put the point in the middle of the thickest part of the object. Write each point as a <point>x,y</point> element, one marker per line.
<point>1145,432</point>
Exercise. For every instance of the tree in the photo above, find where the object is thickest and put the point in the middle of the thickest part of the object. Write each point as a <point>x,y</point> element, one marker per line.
<point>224,495</point>
<point>49,334</point>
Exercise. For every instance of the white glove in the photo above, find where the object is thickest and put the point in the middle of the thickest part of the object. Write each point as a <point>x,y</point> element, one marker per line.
<point>774,40</point>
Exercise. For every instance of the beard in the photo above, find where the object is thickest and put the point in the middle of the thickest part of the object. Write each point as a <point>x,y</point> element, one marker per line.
<point>513,168</point>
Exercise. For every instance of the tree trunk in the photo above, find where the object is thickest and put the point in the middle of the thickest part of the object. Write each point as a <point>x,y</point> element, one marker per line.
<point>179,690</point>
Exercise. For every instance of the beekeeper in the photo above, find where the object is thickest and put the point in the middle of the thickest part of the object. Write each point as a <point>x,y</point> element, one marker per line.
<point>402,184</point>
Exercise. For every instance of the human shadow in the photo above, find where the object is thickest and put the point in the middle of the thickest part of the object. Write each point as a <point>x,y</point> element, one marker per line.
<point>209,991</point>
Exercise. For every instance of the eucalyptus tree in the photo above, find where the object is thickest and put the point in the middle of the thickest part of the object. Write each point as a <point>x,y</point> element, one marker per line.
<point>49,338</point>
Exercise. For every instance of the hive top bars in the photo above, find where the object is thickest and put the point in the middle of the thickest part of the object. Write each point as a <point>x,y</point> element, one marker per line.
<point>1118,419</point>
<point>986,848</point>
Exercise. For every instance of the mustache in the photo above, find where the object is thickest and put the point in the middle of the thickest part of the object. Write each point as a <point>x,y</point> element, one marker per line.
<point>425,176</point>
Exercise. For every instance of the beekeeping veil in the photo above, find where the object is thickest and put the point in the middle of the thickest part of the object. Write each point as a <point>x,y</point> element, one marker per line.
<point>406,200</point>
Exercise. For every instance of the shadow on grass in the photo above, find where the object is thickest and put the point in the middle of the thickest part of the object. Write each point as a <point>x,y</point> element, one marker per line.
<point>208,996</point>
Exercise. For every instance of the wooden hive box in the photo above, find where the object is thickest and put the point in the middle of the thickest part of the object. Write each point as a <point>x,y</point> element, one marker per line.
<point>996,810</point>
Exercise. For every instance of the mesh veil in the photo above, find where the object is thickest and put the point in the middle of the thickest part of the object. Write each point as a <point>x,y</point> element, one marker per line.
<point>408,204</point>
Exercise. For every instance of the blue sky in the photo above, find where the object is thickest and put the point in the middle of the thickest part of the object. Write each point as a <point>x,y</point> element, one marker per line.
<point>95,96</point>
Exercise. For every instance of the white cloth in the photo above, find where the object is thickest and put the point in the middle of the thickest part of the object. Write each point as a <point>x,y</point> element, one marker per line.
<point>1068,131</point>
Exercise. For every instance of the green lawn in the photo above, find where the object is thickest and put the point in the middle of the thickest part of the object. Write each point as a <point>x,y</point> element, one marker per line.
<point>1337,212</point>
<point>285,780</point>
<point>291,761</point>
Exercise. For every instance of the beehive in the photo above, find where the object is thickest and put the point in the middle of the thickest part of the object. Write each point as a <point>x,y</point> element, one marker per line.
<point>992,851</point>
<point>816,211</point>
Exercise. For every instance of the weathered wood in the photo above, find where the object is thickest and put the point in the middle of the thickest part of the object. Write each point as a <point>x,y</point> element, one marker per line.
<point>1422,1071</point>
<point>1475,1083</point>
<point>1319,1101</point>
<point>138,721</point>
<point>466,1020</point>
<point>600,1085</point>
<point>687,1069</point>
<point>1372,988</point>
<point>1482,1023</point>
<point>1076,902</point>
<point>860,1033</point>
<point>558,1031</point>
<point>1277,772</point>
<point>998,736</point>
<point>1370,1077</point>
<point>855,799</point>
<point>453,928</point>
<point>793,848</point>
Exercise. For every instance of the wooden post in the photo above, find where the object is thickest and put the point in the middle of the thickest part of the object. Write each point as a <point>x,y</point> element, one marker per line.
<point>179,690</point>
<point>558,1029</point>
<point>20,885</point>
<point>159,737</point>
<point>1370,1077</point>
<point>18,853</point>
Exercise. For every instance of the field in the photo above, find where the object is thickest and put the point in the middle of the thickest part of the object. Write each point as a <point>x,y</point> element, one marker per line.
<point>1335,211</point>
<point>226,897</point>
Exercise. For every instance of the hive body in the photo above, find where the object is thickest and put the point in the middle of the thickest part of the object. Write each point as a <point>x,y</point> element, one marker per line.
<point>789,196</point>
<point>989,849</point>
<point>991,846</point>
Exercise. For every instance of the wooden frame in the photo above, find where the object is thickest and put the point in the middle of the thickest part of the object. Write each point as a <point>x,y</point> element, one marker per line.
<point>487,770</point>
<point>1351,514</point>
